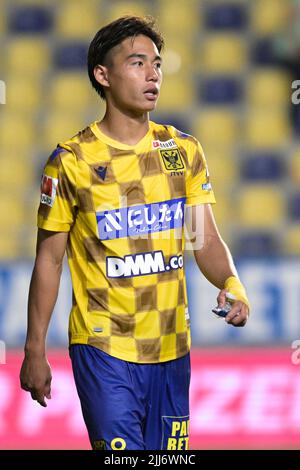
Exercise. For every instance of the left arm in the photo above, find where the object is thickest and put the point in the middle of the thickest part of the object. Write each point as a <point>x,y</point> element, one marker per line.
<point>215,262</point>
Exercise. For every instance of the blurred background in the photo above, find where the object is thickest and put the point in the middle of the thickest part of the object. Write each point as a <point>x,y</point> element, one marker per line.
<point>230,71</point>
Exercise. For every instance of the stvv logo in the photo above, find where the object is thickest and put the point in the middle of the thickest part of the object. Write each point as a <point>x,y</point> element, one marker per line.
<point>140,219</point>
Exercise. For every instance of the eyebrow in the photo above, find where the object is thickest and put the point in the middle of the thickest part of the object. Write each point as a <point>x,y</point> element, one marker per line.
<point>143,56</point>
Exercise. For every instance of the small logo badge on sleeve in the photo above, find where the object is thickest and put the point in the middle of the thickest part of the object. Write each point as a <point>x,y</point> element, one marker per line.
<point>48,190</point>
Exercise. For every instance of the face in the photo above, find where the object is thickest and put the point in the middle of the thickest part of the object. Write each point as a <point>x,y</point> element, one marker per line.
<point>133,75</point>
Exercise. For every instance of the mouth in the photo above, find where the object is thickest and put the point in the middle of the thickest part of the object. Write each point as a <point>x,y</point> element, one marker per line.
<point>151,93</point>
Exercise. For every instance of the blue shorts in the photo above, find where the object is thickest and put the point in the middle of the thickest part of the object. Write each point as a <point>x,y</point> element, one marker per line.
<point>132,406</point>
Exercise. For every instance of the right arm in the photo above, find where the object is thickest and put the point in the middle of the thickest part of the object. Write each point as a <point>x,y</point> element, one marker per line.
<point>35,375</point>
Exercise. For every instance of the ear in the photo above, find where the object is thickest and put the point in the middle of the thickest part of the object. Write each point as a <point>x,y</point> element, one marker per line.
<point>101,75</point>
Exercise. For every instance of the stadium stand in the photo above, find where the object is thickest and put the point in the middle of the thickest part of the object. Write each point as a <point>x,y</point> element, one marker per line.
<point>255,244</point>
<point>291,240</point>
<point>260,207</point>
<point>268,16</point>
<point>29,56</point>
<point>221,90</point>
<point>30,19</point>
<point>226,16</point>
<point>222,84</point>
<point>263,167</point>
<point>75,22</point>
<point>222,53</point>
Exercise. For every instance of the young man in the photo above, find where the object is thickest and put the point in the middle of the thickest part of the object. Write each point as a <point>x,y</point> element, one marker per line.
<point>114,197</point>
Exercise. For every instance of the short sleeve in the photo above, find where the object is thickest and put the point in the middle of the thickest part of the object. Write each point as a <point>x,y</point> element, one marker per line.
<point>58,203</point>
<point>198,186</point>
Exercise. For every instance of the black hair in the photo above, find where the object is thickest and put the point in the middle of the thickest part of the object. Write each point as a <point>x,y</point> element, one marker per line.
<point>113,34</point>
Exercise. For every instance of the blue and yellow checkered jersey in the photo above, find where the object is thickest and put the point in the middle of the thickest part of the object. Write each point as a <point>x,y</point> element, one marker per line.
<point>123,207</point>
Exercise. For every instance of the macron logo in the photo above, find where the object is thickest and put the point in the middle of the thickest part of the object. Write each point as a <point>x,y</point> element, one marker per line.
<point>101,171</point>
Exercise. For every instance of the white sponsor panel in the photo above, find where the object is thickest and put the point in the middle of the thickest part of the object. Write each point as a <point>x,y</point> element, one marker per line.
<point>273,289</point>
<point>274,292</point>
<point>13,317</point>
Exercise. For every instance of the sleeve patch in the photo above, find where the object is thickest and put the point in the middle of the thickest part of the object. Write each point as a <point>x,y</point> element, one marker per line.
<point>48,190</point>
<point>206,187</point>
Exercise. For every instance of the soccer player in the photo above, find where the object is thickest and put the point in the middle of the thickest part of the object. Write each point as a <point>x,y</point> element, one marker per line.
<point>114,197</point>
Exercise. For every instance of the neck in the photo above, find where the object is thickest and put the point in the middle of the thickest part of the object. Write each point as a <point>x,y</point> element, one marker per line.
<point>125,127</point>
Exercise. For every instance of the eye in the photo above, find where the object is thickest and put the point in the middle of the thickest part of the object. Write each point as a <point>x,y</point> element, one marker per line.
<point>139,63</point>
<point>158,65</point>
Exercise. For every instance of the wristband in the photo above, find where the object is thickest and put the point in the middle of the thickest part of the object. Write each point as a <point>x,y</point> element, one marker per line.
<point>235,287</point>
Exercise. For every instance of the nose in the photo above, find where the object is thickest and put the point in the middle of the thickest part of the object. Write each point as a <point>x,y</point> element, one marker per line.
<point>152,74</point>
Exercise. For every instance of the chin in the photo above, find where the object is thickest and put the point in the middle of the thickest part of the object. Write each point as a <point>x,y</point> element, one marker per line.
<point>151,106</point>
<point>140,108</point>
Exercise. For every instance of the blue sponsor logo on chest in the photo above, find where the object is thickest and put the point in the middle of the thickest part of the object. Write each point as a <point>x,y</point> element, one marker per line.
<point>140,219</point>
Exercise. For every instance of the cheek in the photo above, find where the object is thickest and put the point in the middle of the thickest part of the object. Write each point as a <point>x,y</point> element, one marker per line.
<point>127,85</point>
<point>126,91</point>
<point>132,84</point>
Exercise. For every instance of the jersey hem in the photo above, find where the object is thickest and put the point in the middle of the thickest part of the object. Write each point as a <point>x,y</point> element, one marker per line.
<point>128,357</point>
<point>192,201</point>
<point>54,226</point>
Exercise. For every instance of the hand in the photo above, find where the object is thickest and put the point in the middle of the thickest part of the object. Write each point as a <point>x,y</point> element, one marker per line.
<point>239,313</point>
<point>35,377</point>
